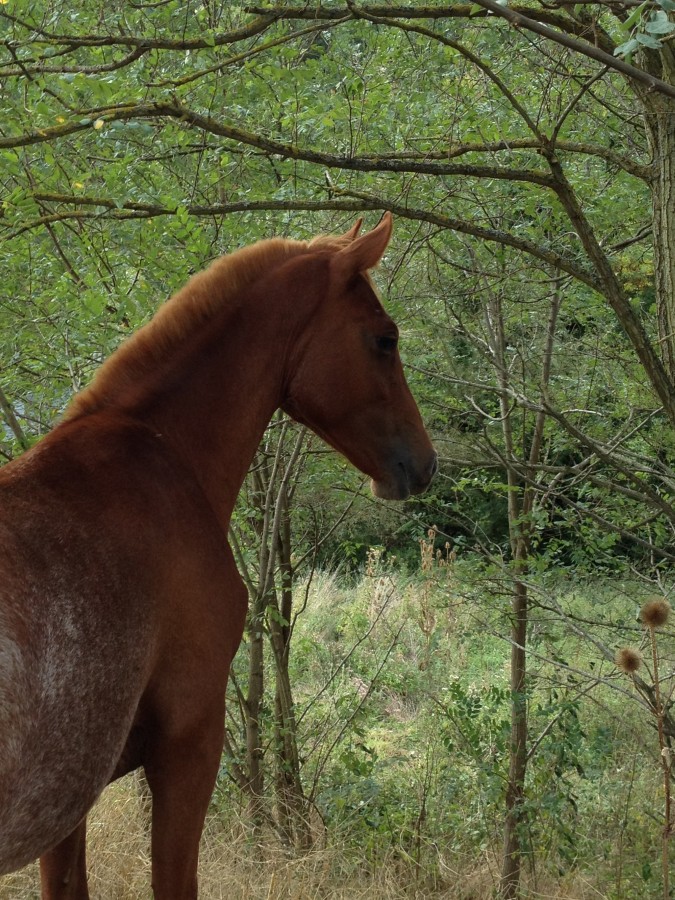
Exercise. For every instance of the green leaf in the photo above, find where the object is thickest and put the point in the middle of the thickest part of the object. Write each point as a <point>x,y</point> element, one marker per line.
<point>634,17</point>
<point>94,301</point>
<point>625,49</point>
<point>660,24</point>
<point>648,41</point>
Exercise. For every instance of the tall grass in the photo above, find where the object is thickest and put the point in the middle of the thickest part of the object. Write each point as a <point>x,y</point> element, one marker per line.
<point>232,867</point>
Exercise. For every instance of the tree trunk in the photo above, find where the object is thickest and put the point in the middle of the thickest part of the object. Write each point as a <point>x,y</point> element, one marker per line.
<point>512,854</point>
<point>290,796</point>
<point>521,499</point>
<point>271,588</point>
<point>10,418</point>
<point>660,121</point>
<point>253,706</point>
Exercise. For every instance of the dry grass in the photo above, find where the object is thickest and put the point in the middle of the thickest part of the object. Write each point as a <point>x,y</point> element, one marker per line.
<point>233,868</point>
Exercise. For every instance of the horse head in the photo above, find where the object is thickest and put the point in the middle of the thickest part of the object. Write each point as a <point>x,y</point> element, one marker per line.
<point>347,382</point>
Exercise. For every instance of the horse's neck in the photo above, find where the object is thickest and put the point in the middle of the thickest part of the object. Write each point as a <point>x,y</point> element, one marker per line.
<point>219,402</point>
<point>207,375</point>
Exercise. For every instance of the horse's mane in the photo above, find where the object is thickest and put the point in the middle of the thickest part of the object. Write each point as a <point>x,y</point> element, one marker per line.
<point>202,297</point>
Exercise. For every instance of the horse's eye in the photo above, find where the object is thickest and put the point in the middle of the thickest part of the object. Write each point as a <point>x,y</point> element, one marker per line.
<point>386,343</point>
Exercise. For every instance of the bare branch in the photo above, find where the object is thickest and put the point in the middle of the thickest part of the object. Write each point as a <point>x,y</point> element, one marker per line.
<point>43,68</point>
<point>40,35</point>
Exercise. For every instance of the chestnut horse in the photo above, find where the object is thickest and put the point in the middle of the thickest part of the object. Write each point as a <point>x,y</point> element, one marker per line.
<point>120,604</point>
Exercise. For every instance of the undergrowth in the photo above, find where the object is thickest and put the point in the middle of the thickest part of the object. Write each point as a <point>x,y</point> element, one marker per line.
<point>401,686</point>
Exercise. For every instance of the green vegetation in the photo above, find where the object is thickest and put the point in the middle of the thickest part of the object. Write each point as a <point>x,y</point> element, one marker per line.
<point>448,722</point>
<point>403,712</point>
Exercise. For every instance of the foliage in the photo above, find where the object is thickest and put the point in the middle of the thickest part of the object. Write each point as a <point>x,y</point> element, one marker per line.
<point>419,746</point>
<point>524,150</point>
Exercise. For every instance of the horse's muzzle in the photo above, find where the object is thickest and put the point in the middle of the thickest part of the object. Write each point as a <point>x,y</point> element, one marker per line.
<point>405,479</point>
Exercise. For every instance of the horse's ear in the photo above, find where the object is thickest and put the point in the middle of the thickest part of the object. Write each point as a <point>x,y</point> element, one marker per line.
<point>366,251</point>
<point>353,231</point>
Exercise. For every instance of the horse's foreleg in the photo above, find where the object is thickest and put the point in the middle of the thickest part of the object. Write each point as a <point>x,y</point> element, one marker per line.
<point>181,774</point>
<point>63,869</point>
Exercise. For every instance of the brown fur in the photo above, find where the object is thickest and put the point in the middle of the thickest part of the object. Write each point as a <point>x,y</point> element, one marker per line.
<point>204,295</point>
<point>120,605</point>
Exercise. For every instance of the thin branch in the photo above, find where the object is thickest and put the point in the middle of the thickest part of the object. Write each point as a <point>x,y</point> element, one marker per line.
<point>527,21</point>
<point>456,11</point>
<point>44,69</point>
<point>40,35</point>
<point>357,202</point>
<point>248,54</point>
<point>465,52</point>
<point>452,151</point>
<point>182,113</point>
<point>12,421</point>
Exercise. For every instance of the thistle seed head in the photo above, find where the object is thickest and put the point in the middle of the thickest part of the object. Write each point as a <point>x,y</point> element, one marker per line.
<point>628,660</point>
<point>655,612</point>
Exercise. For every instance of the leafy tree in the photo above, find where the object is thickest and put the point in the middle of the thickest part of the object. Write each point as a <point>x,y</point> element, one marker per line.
<point>527,151</point>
